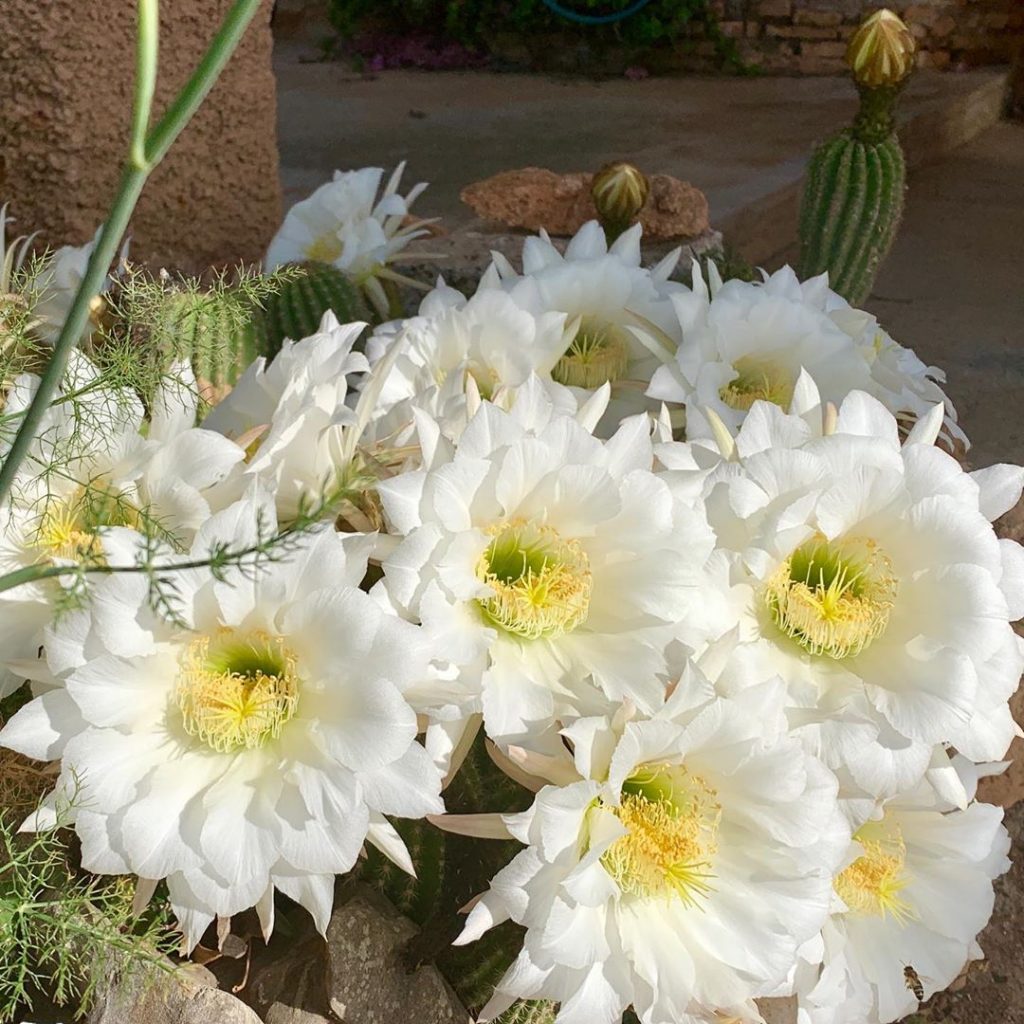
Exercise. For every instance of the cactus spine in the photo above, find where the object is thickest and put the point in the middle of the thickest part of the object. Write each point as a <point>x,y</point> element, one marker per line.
<point>298,306</point>
<point>853,194</point>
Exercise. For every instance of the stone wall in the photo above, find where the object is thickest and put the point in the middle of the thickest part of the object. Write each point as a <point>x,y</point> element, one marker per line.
<point>809,36</point>
<point>66,72</point>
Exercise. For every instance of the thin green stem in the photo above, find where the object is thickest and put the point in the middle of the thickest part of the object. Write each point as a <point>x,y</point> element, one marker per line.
<point>187,102</point>
<point>134,177</point>
<point>35,573</point>
<point>145,79</point>
<point>99,264</point>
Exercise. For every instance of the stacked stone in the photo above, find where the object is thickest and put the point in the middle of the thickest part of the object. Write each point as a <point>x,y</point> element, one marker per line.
<point>809,36</point>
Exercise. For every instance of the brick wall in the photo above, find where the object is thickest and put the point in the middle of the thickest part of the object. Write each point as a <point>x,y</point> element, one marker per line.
<point>809,36</point>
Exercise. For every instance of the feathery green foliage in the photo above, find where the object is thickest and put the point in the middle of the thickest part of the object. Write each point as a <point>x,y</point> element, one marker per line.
<point>62,932</point>
<point>217,327</point>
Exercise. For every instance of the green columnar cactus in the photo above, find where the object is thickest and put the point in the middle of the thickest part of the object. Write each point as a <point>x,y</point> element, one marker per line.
<point>297,307</point>
<point>215,330</point>
<point>853,195</point>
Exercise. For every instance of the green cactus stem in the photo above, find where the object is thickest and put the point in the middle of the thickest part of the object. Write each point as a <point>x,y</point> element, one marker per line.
<point>853,198</point>
<point>297,307</point>
<point>216,331</point>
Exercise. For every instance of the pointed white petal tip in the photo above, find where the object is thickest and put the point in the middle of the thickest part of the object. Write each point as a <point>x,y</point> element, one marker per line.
<point>829,419</point>
<point>478,826</point>
<point>144,889</point>
<point>723,438</point>
<point>926,429</point>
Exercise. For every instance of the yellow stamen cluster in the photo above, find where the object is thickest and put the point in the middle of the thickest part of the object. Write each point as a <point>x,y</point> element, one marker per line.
<point>540,581</point>
<point>873,883</point>
<point>833,597</point>
<point>672,819</point>
<point>599,354</point>
<point>60,536</point>
<point>237,692</point>
<point>326,248</point>
<point>67,528</point>
<point>758,381</point>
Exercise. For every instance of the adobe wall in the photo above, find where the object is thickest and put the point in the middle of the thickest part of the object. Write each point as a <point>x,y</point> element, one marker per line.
<point>66,71</point>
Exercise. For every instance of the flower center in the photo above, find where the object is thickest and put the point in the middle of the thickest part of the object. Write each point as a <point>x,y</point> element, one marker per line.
<point>758,381</point>
<point>237,692</point>
<point>325,248</point>
<point>485,377</point>
<point>873,882</point>
<point>68,527</point>
<point>599,354</point>
<point>672,819</point>
<point>833,597</point>
<point>540,581</point>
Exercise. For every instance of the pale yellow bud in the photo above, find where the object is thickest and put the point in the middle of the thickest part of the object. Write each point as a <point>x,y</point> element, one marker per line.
<point>619,191</point>
<point>881,51</point>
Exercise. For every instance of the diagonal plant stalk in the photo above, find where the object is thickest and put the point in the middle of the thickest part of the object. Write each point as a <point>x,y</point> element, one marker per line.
<point>146,150</point>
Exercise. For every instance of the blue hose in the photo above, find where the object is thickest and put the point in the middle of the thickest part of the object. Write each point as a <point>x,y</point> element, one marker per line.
<point>595,19</point>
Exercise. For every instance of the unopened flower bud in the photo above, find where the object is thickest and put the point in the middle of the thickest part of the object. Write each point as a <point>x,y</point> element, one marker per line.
<point>881,51</point>
<point>619,191</point>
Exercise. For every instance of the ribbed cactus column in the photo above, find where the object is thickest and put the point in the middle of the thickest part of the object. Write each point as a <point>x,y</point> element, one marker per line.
<point>853,195</point>
<point>298,306</point>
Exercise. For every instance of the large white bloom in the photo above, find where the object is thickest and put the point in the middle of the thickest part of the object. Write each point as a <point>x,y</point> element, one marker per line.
<point>97,462</point>
<point>904,384</point>
<point>678,873</point>
<point>558,567</point>
<point>914,892</point>
<point>605,293</point>
<point>253,746</point>
<point>291,418</point>
<point>744,342</point>
<point>874,585</point>
<point>486,344</point>
<point>344,223</point>
<point>54,286</point>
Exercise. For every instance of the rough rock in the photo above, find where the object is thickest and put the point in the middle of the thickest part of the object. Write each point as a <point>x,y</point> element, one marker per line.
<point>281,1014</point>
<point>778,1011</point>
<point>289,987</point>
<point>1008,789</point>
<point>368,983</point>
<point>533,198</point>
<point>187,995</point>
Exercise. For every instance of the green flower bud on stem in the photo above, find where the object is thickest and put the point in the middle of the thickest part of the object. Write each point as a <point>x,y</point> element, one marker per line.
<point>620,191</point>
<point>881,51</point>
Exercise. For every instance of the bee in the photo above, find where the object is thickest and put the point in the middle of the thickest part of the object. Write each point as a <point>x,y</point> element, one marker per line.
<point>913,982</point>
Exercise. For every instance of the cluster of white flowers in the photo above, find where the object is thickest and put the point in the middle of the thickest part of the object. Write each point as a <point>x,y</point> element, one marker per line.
<point>694,556</point>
